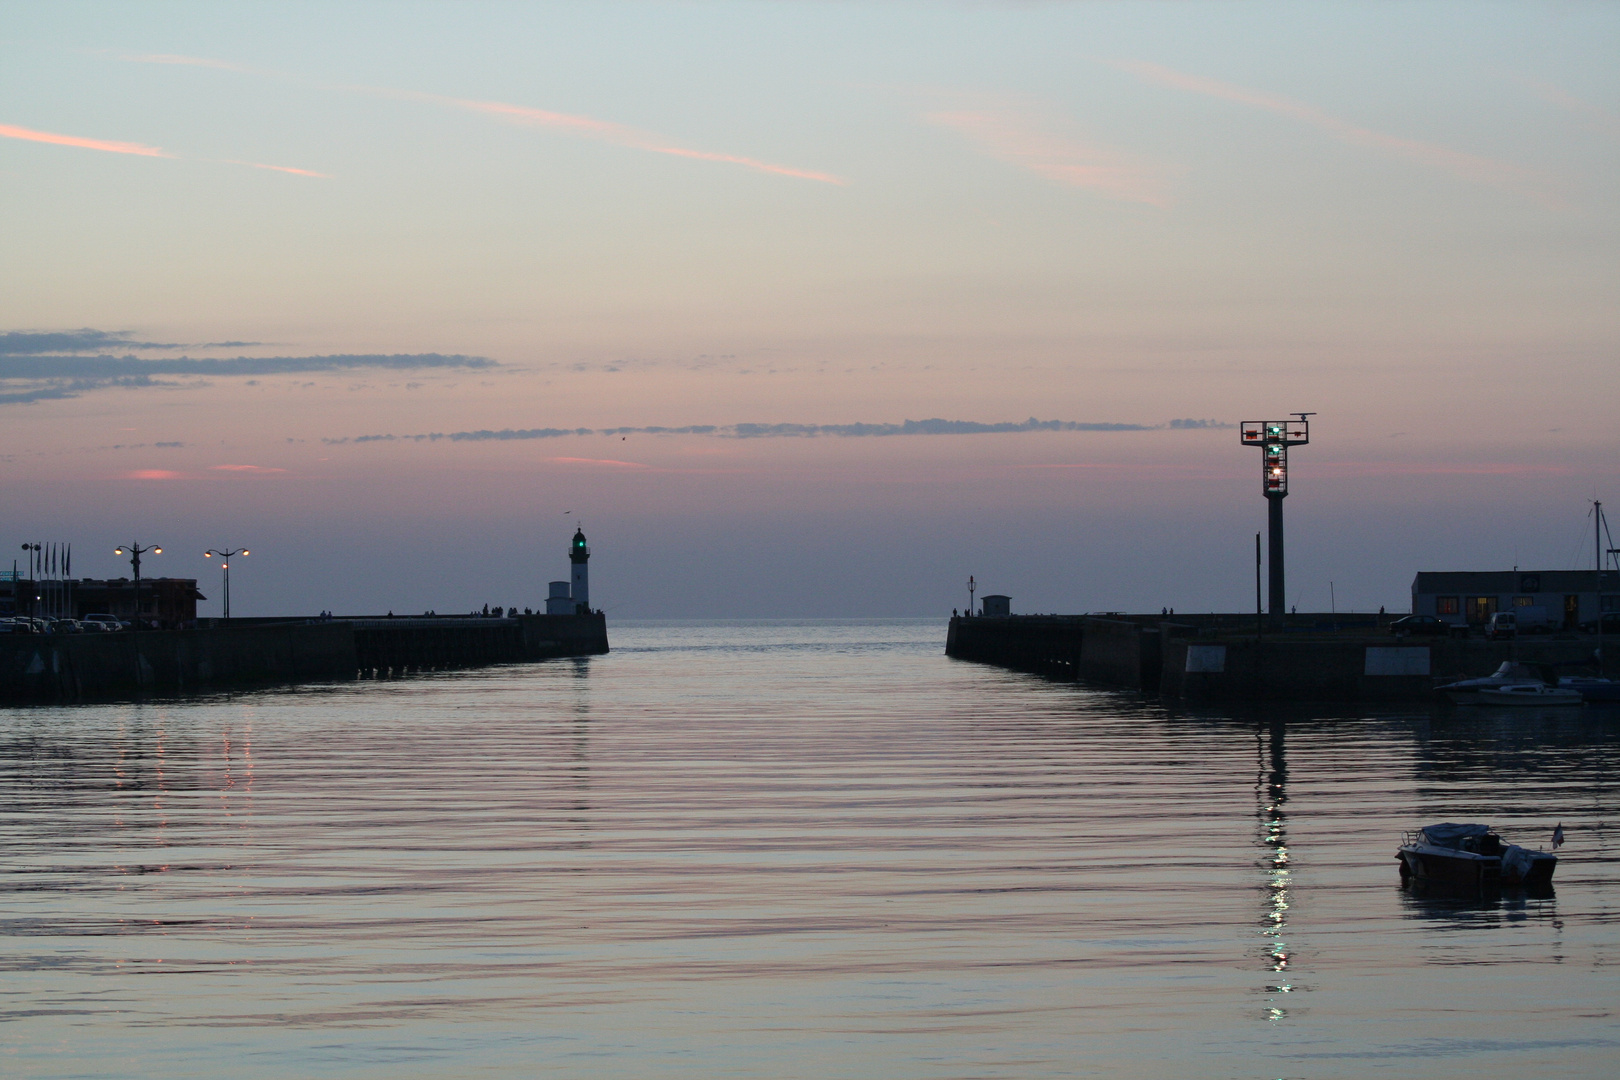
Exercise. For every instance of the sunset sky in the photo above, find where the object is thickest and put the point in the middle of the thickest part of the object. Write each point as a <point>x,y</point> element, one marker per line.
<point>393,294</point>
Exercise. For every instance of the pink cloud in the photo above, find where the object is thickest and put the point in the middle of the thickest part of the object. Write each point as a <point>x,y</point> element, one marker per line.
<point>1076,465</point>
<point>188,61</point>
<point>1016,138</point>
<point>583,126</point>
<point>1530,183</point>
<point>598,461</point>
<point>1343,469</point>
<point>154,474</point>
<point>247,468</point>
<point>282,168</point>
<point>1596,116</point>
<point>10,132</point>
<point>608,131</point>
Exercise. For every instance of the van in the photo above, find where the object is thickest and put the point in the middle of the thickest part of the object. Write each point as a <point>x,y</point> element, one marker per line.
<point>1502,625</point>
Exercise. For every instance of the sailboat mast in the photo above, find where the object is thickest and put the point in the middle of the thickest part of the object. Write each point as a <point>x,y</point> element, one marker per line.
<point>1597,542</point>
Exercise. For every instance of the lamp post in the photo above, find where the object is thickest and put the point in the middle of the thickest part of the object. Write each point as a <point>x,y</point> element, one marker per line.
<point>1274,437</point>
<point>135,553</point>
<point>225,557</point>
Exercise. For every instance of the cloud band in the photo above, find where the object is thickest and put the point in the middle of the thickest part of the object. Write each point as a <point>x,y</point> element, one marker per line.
<point>935,426</point>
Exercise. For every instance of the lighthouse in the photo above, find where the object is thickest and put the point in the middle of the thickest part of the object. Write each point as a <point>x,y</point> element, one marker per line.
<point>580,555</point>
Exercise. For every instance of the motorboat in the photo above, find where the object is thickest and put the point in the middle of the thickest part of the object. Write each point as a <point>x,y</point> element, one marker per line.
<point>1510,673</point>
<point>1537,695</point>
<point>1472,856</point>
<point>1593,689</point>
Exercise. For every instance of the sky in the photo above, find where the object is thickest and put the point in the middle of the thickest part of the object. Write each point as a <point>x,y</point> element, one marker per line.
<point>806,309</point>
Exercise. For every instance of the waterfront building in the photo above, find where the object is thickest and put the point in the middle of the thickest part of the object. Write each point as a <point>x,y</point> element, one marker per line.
<point>1561,599</point>
<point>995,604</point>
<point>168,602</point>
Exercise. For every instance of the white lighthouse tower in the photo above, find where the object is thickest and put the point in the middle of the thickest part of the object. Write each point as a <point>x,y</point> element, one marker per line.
<point>580,555</point>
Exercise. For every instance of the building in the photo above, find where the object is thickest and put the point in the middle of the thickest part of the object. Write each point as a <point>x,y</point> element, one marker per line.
<point>559,602</point>
<point>168,602</point>
<point>995,604</point>
<point>1558,598</point>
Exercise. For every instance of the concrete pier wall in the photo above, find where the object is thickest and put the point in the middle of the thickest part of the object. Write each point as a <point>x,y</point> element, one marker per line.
<point>1120,653</point>
<point>37,667</point>
<point>1046,645</point>
<point>1200,663</point>
<point>73,667</point>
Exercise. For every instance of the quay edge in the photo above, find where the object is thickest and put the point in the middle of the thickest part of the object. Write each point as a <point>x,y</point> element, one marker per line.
<point>265,652</point>
<point>1217,658</point>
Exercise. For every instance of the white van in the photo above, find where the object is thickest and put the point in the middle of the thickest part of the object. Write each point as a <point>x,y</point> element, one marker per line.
<point>1502,625</point>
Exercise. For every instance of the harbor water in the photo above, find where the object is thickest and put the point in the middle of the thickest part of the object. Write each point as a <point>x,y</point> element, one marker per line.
<point>791,849</point>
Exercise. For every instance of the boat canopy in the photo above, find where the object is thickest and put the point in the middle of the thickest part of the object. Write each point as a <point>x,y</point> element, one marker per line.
<point>1448,834</point>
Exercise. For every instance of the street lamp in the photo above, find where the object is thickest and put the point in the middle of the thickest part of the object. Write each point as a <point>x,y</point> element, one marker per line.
<point>135,553</point>
<point>225,558</point>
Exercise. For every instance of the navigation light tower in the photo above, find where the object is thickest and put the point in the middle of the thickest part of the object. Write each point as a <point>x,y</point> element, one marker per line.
<point>1274,437</point>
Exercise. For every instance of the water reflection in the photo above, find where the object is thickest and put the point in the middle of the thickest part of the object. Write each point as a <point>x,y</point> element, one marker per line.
<point>1271,793</point>
<point>579,770</point>
<point>783,850</point>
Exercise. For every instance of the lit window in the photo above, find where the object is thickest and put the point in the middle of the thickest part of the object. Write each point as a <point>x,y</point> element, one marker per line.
<point>1524,601</point>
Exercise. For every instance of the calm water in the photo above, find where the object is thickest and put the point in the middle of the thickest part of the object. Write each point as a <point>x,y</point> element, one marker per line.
<point>788,850</point>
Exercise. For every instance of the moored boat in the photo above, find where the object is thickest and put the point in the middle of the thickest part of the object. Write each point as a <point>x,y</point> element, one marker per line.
<point>1467,691</point>
<point>1524,694</point>
<point>1471,856</point>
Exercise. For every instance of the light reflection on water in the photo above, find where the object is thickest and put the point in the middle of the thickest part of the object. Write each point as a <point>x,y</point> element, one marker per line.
<point>787,849</point>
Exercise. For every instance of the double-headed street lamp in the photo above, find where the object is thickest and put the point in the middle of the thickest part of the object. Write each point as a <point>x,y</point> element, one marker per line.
<point>225,558</point>
<point>135,553</point>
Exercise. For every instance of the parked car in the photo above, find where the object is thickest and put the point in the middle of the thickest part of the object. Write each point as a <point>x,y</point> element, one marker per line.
<point>1421,626</point>
<point>106,622</point>
<point>1502,625</point>
<point>1611,623</point>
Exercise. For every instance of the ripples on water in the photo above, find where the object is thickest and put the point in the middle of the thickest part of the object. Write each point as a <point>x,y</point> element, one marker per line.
<point>788,850</point>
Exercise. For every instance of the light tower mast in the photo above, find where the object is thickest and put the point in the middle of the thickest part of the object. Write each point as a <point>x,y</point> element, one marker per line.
<point>1274,437</point>
<point>580,555</point>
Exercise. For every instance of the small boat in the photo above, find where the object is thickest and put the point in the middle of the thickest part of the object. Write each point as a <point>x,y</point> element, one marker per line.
<point>1471,856</point>
<point>1601,691</point>
<point>1466,691</point>
<point>1533,694</point>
